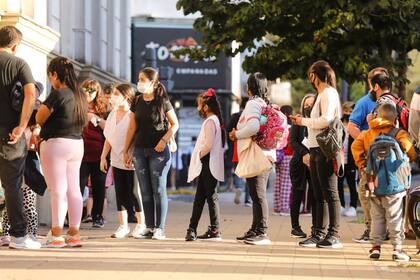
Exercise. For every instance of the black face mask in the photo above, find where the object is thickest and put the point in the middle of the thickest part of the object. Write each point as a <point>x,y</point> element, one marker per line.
<point>307,111</point>
<point>346,117</point>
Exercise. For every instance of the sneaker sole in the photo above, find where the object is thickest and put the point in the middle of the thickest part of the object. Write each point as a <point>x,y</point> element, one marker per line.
<point>14,247</point>
<point>56,246</point>
<point>335,246</point>
<point>394,258</point>
<point>297,236</point>
<point>210,239</point>
<point>308,245</point>
<point>78,245</point>
<point>258,243</point>
<point>159,238</point>
<point>361,241</point>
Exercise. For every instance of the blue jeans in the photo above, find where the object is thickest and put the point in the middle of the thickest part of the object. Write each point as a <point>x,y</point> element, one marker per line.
<point>152,171</point>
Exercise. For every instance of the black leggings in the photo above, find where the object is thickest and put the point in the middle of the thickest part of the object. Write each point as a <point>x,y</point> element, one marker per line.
<point>97,180</point>
<point>126,192</point>
<point>298,195</point>
<point>206,191</point>
<point>350,176</point>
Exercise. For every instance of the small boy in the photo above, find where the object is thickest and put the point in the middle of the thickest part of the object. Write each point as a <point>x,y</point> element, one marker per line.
<point>386,210</point>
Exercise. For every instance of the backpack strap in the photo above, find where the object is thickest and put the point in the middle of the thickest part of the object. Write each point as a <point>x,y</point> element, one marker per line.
<point>393,132</point>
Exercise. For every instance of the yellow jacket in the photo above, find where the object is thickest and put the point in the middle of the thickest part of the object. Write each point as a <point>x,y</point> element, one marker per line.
<point>379,126</point>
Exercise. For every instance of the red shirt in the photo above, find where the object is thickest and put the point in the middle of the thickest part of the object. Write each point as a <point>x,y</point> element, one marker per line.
<point>94,140</point>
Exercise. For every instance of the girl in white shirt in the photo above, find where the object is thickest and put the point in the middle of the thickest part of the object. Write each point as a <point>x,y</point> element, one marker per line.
<point>126,190</point>
<point>207,164</point>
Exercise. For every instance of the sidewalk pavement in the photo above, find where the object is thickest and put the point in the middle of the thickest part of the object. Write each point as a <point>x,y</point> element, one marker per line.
<point>104,258</point>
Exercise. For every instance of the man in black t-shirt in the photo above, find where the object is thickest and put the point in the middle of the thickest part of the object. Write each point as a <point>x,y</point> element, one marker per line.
<point>12,125</point>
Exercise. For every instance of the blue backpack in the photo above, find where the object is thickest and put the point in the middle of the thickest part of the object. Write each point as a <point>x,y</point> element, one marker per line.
<point>388,165</point>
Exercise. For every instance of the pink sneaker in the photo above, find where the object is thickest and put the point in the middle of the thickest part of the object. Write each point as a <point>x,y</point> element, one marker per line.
<point>4,240</point>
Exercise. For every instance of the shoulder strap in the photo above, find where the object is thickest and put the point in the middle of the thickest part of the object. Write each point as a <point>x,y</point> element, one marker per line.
<point>393,132</point>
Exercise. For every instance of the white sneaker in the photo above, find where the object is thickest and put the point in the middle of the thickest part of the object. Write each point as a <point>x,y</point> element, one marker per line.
<point>351,212</point>
<point>138,230</point>
<point>237,199</point>
<point>24,242</point>
<point>121,232</point>
<point>159,234</point>
<point>343,211</point>
<point>4,240</point>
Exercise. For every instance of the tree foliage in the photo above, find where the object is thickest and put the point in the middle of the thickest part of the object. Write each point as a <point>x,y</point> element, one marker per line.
<point>286,36</point>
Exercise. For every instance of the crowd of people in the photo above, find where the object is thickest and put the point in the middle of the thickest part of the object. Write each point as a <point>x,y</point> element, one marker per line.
<point>85,135</point>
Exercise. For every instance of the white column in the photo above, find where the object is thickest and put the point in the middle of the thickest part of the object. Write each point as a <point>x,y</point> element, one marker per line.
<point>125,31</point>
<point>83,31</point>
<point>53,18</point>
<point>114,36</point>
<point>99,36</point>
<point>67,16</point>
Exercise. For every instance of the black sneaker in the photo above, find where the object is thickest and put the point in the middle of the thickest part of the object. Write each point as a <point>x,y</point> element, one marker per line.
<point>191,235</point>
<point>375,253</point>
<point>297,232</point>
<point>364,238</point>
<point>98,222</point>
<point>147,234</point>
<point>249,234</point>
<point>211,234</point>
<point>310,242</point>
<point>260,239</point>
<point>330,242</point>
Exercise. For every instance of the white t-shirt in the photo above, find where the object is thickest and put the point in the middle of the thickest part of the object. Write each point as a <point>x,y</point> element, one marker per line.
<point>115,133</point>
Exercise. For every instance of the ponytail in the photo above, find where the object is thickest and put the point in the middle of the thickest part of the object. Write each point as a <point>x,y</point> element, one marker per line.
<point>65,73</point>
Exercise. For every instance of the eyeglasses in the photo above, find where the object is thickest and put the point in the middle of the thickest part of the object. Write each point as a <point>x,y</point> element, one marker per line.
<point>89,90</point>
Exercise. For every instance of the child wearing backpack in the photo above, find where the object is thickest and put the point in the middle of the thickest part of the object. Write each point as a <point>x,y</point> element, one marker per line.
<point>382,153</point>
<point>207,164</point>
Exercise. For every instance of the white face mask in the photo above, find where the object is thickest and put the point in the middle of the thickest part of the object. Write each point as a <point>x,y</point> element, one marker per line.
<point>117,101</point>
<point>143,87</point>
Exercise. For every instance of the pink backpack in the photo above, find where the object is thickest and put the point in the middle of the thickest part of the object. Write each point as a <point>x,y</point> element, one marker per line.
<point>274,129</point>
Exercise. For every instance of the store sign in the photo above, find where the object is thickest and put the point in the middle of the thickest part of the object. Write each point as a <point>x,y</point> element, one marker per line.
<point>188,74</point>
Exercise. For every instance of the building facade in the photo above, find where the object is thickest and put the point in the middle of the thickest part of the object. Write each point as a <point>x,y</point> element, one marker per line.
<point>94,34</point>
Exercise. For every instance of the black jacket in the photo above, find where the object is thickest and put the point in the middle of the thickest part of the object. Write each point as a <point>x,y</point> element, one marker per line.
<point>299,172</point>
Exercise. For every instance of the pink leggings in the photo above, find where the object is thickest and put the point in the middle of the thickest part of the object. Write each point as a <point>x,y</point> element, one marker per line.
<point>60,160</point>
